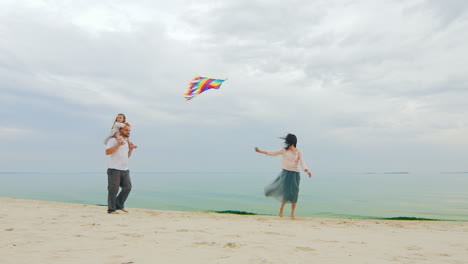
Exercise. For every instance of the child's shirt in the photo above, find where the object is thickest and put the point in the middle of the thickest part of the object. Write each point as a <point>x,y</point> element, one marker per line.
<point>291,160</point>
<point>115,129</point>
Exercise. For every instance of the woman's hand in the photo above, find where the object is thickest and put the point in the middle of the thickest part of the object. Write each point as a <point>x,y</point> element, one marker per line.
<point>261,151</point>
<point>309,173</point>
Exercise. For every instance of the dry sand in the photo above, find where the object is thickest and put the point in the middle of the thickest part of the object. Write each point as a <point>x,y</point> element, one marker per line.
<point>36,232</point>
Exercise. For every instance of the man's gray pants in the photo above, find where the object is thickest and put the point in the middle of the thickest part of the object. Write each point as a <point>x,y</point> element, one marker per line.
<point>116,179</point>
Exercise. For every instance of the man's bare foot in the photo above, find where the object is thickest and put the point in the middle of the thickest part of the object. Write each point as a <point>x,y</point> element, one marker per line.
<point>113,212</point>
<point>280,214</point>
<point>123,210</point>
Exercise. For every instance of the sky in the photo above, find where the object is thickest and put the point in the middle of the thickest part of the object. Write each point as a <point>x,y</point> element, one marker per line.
<point>367,86</point>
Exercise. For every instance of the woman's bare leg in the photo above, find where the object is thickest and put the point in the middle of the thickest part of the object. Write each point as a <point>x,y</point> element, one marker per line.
<point>293,209</point>
<point>280,214</point>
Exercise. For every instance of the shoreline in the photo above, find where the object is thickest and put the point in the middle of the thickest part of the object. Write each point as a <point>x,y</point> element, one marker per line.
<point>240,212</point>
<point>54,232</point>
<point>318,198</point>
<point>397,218</point>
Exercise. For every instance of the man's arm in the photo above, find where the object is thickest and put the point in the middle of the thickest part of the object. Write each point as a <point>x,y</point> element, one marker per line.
<point>130,149</point>
<point>130,152</point>
<point>111,150</point>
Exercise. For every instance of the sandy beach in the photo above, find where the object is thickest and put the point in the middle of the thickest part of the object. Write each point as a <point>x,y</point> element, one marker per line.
<point>50,232</point>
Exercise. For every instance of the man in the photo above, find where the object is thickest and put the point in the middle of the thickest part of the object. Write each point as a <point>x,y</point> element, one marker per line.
<point>118,174</point>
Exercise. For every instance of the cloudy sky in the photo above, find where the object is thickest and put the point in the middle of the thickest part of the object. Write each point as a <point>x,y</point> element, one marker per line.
<point>365,85</point>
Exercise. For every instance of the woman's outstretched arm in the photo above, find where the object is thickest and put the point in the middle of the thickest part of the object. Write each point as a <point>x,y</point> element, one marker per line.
<point>270,153</point>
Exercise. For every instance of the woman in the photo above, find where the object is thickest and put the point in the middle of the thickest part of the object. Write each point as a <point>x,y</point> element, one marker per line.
<point>286,186</point>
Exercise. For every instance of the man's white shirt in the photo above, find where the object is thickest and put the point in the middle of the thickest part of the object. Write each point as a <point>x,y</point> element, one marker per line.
<point>119,159</point>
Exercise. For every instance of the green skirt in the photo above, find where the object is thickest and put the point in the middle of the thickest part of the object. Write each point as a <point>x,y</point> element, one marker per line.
<point>285,187</point>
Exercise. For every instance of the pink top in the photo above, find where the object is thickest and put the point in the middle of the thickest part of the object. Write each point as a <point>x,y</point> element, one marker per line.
<point>291,159</point>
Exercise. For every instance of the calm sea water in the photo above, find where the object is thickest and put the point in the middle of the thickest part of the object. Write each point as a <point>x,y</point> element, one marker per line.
<point>343,195</point>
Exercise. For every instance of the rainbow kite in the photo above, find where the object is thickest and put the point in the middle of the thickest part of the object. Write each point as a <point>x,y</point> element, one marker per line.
<point>200,84</point>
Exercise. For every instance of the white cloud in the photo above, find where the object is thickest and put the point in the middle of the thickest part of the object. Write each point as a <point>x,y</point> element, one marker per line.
<point>373,72</point>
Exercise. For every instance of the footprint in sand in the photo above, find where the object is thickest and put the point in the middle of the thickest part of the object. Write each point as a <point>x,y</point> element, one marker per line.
<point>186,230</point>
<point>329,241</point>
<point>204,243</point>
<point>304,249</point>
<point>93,224</point>
<point>132,235</point>
<point>232,245</point>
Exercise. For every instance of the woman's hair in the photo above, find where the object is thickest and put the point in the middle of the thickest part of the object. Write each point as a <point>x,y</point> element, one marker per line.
<point>289,140</point>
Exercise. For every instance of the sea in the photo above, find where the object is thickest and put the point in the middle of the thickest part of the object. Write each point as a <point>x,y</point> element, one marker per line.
<point>356,195</point>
